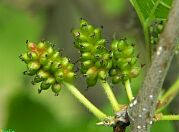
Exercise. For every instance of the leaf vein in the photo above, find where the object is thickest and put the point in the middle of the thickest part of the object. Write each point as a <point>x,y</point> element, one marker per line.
<point>165,5</point>
<point>152,12</point>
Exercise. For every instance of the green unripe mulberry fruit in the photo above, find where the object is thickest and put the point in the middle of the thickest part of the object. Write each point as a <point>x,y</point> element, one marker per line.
<point>155,30</point>
<point>124,61</point>
<point>48,66</point>
<point>95,58</point>
<point>33,67</point>
<point>56,88</point>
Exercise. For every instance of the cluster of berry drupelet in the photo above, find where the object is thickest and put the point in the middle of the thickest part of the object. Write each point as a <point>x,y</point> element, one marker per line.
<point>125,65</point>
<point>95,58</point>
<point>97,62</point>
<point>47,65</point>
<point>155,30</point>
<point>119,63</point>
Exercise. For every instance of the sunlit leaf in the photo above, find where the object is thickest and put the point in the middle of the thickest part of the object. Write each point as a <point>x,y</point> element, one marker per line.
<point>149,11</point>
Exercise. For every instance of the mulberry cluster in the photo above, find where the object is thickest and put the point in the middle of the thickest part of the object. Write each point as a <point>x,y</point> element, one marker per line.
<point>97,62</point>
<point>95,58</point>
<point>124,61</point>
<point>154,30</point>
<point>48,66</point>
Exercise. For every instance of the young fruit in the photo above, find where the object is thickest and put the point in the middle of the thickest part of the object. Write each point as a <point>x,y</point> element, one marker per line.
<point>155,29</point>
<point>95,58</point>
<point>124,61</point>
<point>48,66</point>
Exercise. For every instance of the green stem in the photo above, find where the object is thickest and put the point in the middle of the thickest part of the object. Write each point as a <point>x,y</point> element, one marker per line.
<point>149,48</point>
<point>160,117</point>
<point>128,90</point>
<point>168,96</point>
<point>81,98</point>
<point>170,117</point>
<point>110,96</point>
<point>145,29</point>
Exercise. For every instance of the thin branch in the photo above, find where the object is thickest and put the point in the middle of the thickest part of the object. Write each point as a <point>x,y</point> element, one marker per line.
<point>110,96</point>
<point>168,96</point>
<point>129,90</point>
<point>160,116</point>
<point>81,98</point>
<point>169,117</point>
<point>142,111</point>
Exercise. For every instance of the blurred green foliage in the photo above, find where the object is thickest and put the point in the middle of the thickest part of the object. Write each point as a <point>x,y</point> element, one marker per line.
<point>26,110</point>
<point>15,27</point>
<point>113,7</point>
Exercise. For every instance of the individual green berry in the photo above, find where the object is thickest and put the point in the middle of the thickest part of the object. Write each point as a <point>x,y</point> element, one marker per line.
<point>43,59</point>
<point>129,51</point>
<point>32,55</point>
<point>50,80</point>
<point>102,74</point>
<point>56,65</point>
<point>44,86</point>
<point>43,74</point>
<point>64,61</point>
<point>121,44</point>
<point>70,66</point>
<point>69,76</point>
<point>91,82</point>
<point>48,65</point>
<point>113,72</point>
<point>87,63</point>
<point>24,57</point>
<point>47,83</point>
<point>86,56</point>
<point>118,45</point>
<point>116,79</point>
<point>56,88</point>
<point>59,76</point>
<point>92,72</point>
<point>50,51</point>
<point>33,67</point>
<point>55,55</point>
<point>41,45</point>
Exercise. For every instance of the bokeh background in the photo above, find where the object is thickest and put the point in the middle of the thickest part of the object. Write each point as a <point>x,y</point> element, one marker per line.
<point>21,107</point>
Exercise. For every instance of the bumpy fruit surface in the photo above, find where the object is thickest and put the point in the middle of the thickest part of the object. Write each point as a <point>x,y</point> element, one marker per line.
<point>125,65</point>
<point>95,58</point>
<point>154,30</point>
<point>47,66</point>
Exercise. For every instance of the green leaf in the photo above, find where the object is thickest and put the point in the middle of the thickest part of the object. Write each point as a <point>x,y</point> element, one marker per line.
<point>150,10</point>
